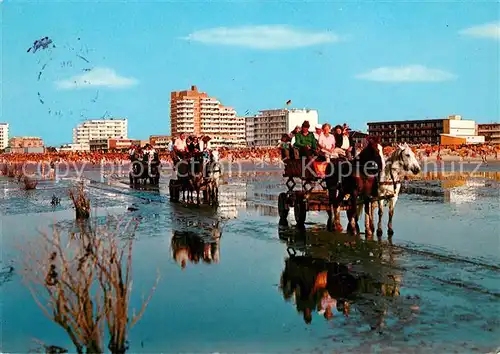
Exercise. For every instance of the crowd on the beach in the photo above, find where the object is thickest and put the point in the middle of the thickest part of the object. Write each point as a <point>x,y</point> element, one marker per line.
<point>250,154</point>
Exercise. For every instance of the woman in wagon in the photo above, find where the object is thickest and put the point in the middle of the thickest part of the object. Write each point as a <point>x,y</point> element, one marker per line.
<point>305,141</point>
<point>326,143</point>
<point>343,142</point>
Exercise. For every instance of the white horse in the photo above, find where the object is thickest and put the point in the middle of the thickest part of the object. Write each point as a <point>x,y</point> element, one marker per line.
<point>401,161</point>
<point>214,176</point>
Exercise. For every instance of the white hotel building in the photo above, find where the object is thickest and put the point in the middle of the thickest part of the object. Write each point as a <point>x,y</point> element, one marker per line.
<point>4,135</point>
<point>98,129</point>
<point>267,128</point>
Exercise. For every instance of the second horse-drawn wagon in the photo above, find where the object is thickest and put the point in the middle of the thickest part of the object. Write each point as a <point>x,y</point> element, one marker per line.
<point>198,173</point>
<point>145,170</point>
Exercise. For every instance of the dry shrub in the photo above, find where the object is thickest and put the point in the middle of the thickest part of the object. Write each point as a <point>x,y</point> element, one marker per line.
<point>80,201</point>
<point>83,283</point>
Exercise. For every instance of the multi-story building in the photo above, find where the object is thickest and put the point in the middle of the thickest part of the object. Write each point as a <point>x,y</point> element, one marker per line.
<point>4,135</point>
<point>270,125</point>
<point>447,131</point>
<point>160,142</point>
<point>425,131</point>
<point>113,144</point>
<point>249,130</point>
<point>490,131</point>
<point>25,144</point>
<point>100,129</point>
<point>460,131</point>
<point>195,113</point>
<point>358,138</point>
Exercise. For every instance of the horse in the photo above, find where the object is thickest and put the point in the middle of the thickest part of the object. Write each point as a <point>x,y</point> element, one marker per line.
<point>184,177</point>
<point>358,179</point>
<point>142,172</point>
<point>190,175</point>
<point>401,161</point>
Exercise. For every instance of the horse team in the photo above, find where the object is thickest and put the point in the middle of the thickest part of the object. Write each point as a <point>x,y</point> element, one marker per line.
<point>367,182</point>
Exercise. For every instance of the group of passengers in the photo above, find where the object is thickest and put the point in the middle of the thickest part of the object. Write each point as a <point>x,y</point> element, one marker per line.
<point>186,146</point>
<point>325,143</point>
<point>145,154</point>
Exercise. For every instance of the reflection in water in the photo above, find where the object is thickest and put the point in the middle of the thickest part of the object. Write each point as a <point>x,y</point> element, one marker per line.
<point>195,247</point>
<point>231,199</point>
<point>330,278</point>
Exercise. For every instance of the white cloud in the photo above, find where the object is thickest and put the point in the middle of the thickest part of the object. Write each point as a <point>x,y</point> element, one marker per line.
<point>262,37</point>
<point>410,73</point>
<point>488,30</point>
<point>104,77</point>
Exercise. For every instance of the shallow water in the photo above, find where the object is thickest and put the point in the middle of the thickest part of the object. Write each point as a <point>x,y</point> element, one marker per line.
<point>435,287</point>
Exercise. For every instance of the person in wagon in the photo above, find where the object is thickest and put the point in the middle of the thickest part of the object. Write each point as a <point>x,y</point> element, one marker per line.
<point>285,145</point>
<point>180,145</point>
<point>305,141</point>
<point>326,143</point>
<point>343,142</point>
<point>318,131</point>
<point>132,153</point>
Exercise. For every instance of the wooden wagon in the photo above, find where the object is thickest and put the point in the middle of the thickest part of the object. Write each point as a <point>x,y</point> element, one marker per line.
<point>306,190</point>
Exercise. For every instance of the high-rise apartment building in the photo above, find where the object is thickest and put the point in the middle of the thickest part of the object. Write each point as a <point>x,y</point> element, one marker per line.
<point>194,112</point>
<point>4,135</point>
<point>270,125</point>
<point>98,129</point>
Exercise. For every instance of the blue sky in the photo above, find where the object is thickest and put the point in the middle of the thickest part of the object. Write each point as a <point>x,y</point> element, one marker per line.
<point>353,61</point>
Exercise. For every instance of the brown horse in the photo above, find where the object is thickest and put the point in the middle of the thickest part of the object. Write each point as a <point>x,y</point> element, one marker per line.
<point>190,176</point>
<point>358,179</point>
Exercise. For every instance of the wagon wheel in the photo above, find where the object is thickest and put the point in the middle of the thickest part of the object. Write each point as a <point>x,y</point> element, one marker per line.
<point>283,207</point>
<point>300,211</point>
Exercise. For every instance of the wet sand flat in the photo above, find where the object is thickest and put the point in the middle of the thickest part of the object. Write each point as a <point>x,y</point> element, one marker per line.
<point>434,287</point>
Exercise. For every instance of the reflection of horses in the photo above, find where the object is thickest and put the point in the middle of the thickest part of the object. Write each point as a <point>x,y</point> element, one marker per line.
<point>325,285</point>
<point>322,279</point>
<point>357,178</point>
<point>401,161</point>
<point>193,247</point>
<point>305,277</point>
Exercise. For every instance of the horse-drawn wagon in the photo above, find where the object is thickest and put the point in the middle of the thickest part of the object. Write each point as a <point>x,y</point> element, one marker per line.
<point>144,171</point>
<point>307,190</point>
<point>196,173</point>
<point>366,182</point>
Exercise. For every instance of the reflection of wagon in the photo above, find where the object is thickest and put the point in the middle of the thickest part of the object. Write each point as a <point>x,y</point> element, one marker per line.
<point>306,189</point>
<point>188,246</point>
